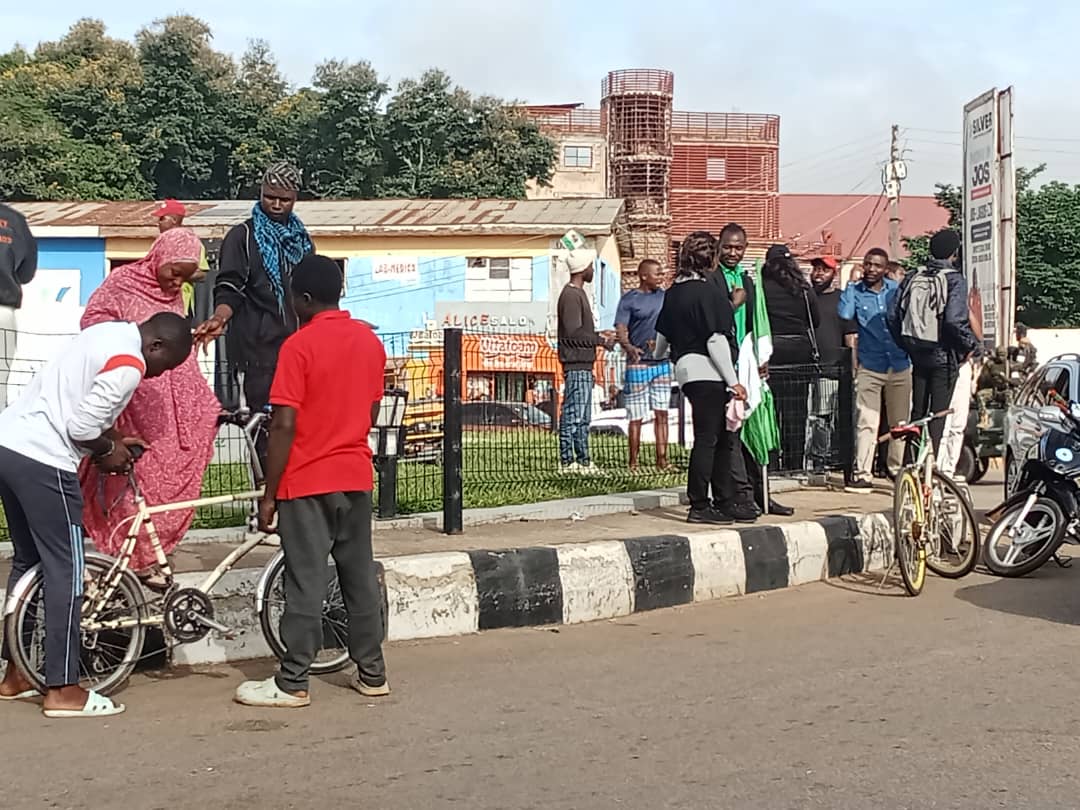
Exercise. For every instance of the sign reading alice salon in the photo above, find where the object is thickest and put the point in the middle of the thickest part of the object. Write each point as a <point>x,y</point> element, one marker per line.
<point>529,318</point>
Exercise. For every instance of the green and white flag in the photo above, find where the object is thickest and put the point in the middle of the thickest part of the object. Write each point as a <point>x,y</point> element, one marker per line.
<point>760,432</point>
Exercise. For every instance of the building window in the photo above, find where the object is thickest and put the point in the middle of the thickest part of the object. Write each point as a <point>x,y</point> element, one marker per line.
<point>577,157</point>
<point>497,269</point>
<point>716,169</point>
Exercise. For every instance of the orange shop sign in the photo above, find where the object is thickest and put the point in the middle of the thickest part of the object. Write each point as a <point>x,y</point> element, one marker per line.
<point>507,353</point>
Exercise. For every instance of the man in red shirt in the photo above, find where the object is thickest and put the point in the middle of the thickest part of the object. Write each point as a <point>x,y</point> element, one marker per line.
<point>319,480</point>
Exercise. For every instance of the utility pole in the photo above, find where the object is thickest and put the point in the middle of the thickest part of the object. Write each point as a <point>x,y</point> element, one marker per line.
<point>894,174</point>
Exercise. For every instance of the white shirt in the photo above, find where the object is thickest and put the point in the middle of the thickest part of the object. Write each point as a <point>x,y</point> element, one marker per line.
<point>76,397</point>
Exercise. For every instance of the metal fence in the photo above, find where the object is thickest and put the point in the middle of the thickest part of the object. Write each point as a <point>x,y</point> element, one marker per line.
<point>481,425</point>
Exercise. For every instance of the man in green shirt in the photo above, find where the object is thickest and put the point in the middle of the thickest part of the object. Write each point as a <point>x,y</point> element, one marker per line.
<point>738,284</point>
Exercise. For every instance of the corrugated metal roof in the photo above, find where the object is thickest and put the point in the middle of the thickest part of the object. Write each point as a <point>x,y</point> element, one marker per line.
<point>351,216</point>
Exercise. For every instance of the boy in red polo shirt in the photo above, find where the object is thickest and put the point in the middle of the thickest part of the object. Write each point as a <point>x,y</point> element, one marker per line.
<point>326,392</point>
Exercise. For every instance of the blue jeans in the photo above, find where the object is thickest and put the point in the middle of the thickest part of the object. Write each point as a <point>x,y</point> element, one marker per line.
<point>575,417</point>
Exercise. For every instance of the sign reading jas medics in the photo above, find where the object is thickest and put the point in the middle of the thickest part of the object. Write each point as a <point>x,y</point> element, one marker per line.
<point>989,195</point>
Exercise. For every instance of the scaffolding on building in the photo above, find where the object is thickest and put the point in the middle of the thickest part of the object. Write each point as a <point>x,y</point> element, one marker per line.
<point>635,111</point>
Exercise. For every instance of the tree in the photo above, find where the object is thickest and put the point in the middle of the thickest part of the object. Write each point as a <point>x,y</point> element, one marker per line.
<point>442,142</point>
<point>1047,248</point>
<point>94,117</point>
<point>342,148</point>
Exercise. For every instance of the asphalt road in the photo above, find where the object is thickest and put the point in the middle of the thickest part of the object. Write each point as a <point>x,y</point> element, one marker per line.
<point>836,695</point>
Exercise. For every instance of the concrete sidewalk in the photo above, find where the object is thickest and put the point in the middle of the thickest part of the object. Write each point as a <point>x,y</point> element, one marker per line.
<point>532,572</point>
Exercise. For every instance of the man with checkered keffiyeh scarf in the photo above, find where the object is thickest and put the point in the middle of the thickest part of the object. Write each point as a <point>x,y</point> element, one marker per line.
<point>251,292</point>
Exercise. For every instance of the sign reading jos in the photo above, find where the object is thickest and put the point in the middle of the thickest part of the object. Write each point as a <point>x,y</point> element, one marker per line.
<point>989,214</point>
<point>402,269</point>
<point>981,209</point>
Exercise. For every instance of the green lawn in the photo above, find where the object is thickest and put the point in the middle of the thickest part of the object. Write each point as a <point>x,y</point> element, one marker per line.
<point>522,466</point>
<point>500,468</point>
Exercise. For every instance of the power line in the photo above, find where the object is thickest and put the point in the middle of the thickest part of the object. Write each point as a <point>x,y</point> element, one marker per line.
<point>1041,138</point>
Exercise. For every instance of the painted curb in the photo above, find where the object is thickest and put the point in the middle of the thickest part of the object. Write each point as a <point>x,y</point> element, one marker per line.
<point>461,592</point>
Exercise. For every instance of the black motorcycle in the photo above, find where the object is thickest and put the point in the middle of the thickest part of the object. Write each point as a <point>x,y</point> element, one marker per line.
<point>1030,526</point>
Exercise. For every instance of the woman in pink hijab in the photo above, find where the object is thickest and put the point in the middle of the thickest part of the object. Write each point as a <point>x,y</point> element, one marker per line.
<point>175,414</point>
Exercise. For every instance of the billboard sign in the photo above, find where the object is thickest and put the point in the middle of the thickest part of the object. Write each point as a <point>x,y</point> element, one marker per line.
<point>981,211</point>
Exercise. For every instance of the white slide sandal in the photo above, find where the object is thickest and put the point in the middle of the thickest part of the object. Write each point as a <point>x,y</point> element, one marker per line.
<point>29,694</point>
<point>96,706</point>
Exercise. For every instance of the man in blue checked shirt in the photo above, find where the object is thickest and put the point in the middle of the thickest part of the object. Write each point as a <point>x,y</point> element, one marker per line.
<point>648,381</point>
<point>882,366</point>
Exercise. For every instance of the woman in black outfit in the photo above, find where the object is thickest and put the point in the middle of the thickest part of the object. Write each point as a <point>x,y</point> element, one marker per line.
<point>698,325</point>
<point>793,316</point>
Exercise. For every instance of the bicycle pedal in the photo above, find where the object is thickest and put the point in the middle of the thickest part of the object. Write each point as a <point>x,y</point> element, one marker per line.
<point>206,621</point>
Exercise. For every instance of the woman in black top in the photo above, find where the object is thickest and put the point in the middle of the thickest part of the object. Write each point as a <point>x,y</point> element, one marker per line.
<point>698,325</point>
<point>793,317</point>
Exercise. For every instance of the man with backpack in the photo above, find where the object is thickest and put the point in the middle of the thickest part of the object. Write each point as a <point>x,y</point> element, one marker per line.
<point>929,318</point>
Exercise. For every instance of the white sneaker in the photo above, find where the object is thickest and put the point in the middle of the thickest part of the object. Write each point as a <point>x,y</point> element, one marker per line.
<point>590,469</point>
<point>571,468</point>
<point>268,695</point>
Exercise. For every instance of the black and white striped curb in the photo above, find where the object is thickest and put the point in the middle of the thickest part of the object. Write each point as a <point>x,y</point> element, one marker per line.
<point>461,592</point>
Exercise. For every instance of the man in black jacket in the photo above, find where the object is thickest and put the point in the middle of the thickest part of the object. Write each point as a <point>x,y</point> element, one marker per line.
<point>935,364</point>
<point>252,288</point>
<point>18,263</point>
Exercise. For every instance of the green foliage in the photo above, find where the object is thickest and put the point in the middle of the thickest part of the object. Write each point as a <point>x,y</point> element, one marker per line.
<point>92,117</point>
<point>1047,248</point>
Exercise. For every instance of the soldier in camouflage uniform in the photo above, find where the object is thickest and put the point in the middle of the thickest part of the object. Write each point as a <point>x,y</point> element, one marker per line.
<point>993,386</point>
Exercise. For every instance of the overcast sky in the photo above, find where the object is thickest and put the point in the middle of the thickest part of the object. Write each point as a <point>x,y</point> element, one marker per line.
<point>838,72</point>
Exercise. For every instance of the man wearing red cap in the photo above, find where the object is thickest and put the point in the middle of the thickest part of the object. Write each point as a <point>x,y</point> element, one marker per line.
<point>170,214</point>
<point>832,332</point>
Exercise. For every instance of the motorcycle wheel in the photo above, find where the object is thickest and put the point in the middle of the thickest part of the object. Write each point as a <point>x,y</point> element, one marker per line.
<point>1011,551</point>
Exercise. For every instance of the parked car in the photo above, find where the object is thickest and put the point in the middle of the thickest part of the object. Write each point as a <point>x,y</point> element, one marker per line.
<point>1022,426</point>
<point>503,415</point>
<point>615,422</point>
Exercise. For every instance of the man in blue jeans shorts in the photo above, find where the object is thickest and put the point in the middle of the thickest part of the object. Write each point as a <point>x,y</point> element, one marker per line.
<point>648,381</point>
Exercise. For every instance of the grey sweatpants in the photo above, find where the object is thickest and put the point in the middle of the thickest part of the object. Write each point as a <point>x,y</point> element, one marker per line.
<point>44,508</point>
<point>313,529</point>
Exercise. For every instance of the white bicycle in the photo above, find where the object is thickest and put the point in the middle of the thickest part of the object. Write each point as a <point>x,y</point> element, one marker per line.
<point>117,609</point>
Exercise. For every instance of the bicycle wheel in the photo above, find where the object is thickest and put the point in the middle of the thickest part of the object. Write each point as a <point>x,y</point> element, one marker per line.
<point>270,604</point>
<point>112,639</point>
<point>1015,549</point>
<point>908,524</point>
<point>952,534</point>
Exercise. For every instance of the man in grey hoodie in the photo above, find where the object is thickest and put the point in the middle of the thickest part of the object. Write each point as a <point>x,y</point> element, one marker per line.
<point>18,263</point>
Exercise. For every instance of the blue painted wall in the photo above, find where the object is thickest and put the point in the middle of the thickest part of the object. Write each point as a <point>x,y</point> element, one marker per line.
<point>87,255</point>
<point>396,307</point>
<point>541,278</point>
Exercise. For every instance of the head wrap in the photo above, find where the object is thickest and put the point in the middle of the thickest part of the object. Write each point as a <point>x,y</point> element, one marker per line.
<point>283,175</point>
<point>134,289</point>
